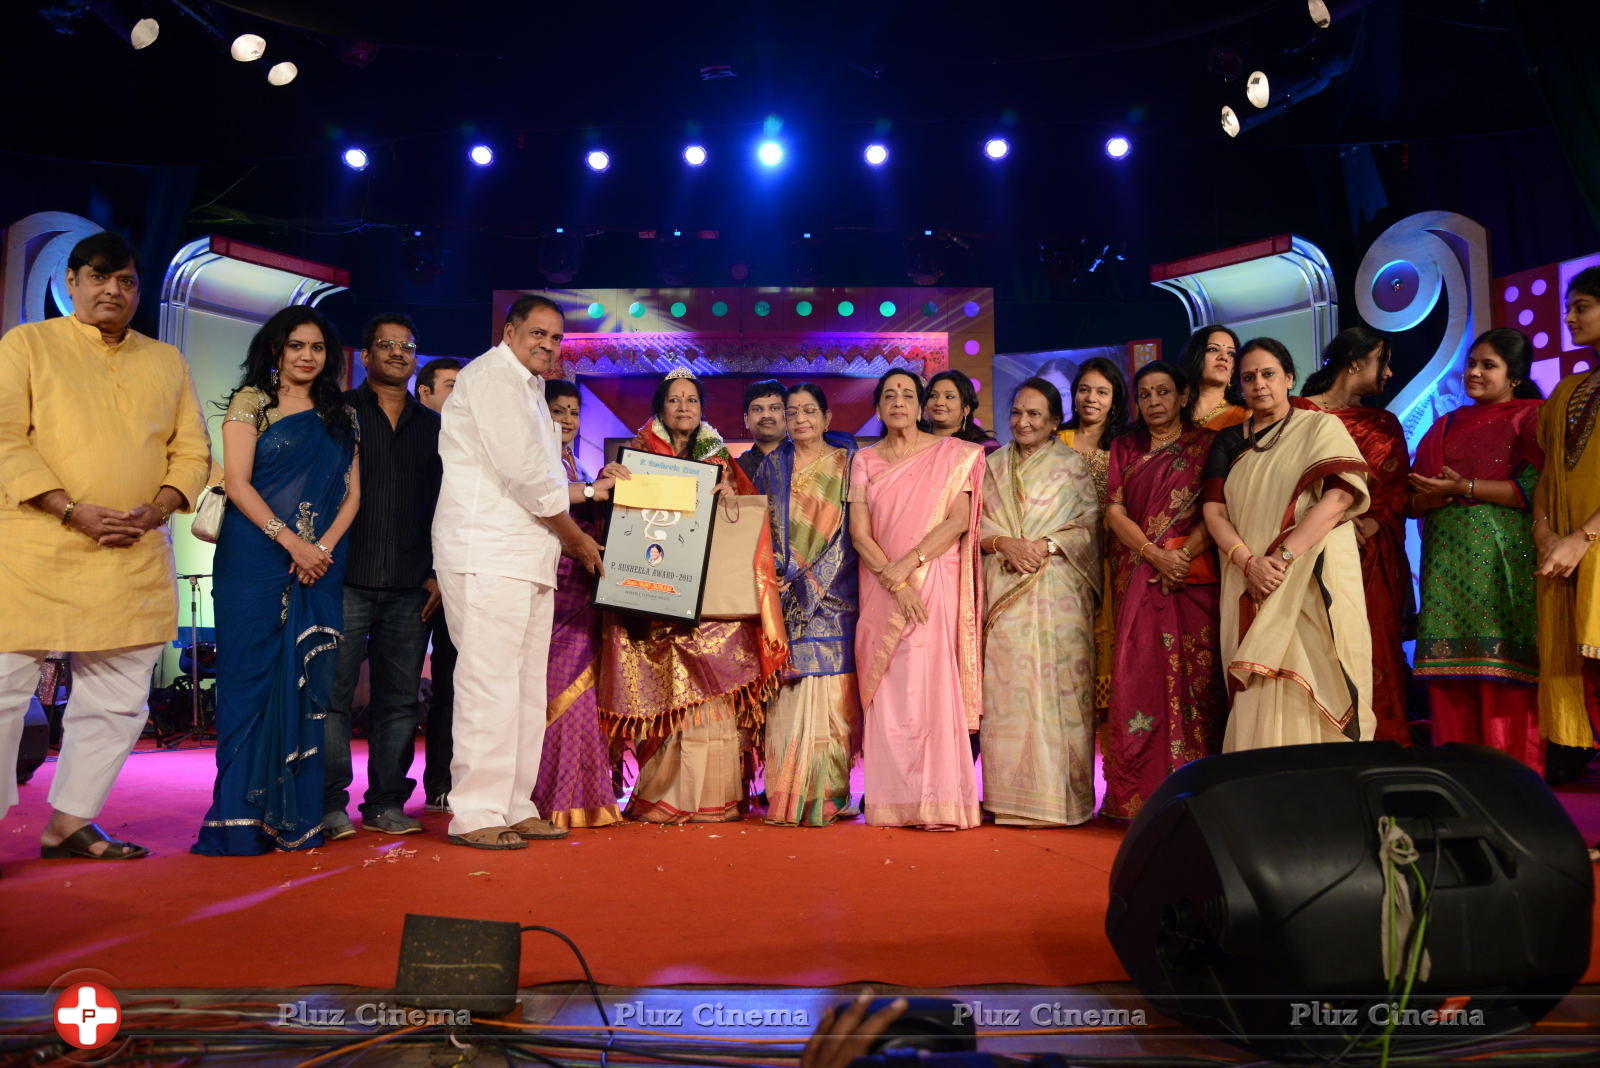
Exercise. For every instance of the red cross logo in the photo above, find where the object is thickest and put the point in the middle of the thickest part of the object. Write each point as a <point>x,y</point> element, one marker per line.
<point>88,1015</point>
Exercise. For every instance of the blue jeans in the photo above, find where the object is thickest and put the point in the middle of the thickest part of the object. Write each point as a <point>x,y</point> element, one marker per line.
<point>385,628</point>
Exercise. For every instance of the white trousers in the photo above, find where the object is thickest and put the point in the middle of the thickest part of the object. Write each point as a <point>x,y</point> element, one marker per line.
<point>501,628</point>
<point>104,717</point>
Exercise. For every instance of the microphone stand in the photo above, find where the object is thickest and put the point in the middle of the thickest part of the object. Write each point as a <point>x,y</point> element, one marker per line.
<point>196,726</point>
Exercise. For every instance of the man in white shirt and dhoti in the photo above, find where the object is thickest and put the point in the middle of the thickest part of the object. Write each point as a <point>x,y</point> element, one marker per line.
<point>101,440</point>
<point>499,529</point>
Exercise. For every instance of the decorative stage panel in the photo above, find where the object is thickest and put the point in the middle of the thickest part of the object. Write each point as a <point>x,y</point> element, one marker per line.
<point>1534,301</point>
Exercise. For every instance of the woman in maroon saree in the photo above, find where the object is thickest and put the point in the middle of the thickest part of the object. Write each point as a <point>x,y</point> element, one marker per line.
<point>1355,365</point>
<point>574,788</point>
<point>1168,705</point>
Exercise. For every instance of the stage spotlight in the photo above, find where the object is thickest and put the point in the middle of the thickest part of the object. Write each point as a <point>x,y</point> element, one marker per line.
<point>282,73</point>
<point>694,155</point>
<point>1118,147</point>
<point>770,153</point>
<point>1230,122</point>
<point>482,155</point>
<point>1257,90</point>
<point>876,155</point>
<point>247,48</point>
<point>1318,10</point>
<point>144,33</point>
<point>996,148</point>
<point>597,160</point>
<point>355,159</point>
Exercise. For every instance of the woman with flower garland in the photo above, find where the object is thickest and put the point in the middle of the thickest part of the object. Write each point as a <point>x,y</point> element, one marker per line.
<point>681,691</point>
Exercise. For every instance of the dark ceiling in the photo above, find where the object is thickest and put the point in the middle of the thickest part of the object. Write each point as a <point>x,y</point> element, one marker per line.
<point>181,130</point>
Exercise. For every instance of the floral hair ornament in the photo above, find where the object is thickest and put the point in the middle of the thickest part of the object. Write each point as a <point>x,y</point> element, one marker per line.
<point>680,372</point>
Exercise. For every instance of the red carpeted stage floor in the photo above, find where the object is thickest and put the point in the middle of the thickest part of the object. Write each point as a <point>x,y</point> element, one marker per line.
<point>739,903</point>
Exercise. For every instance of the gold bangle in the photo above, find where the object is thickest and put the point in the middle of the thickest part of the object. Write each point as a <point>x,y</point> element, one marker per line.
<point>1233,550</point>
<point>897,589</point>
<point>1145,546</point>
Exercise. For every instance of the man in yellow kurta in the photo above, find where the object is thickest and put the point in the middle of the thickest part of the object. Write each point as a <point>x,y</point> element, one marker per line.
<point>101,440</point>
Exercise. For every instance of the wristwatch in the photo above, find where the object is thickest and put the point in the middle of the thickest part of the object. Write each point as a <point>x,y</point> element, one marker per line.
<point>588,491</point>
<point>1051,548</point>
<point>1286,555</point>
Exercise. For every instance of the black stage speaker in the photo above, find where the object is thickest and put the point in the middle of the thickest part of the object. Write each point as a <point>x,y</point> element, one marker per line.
<point>446,963</point>
<point>1246,899</point>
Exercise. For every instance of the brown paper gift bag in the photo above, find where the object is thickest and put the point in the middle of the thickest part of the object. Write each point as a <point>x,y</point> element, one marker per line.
<point>731,573</point>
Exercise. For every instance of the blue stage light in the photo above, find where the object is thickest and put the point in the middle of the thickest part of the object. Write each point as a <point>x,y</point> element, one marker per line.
<point>355,159</point>
<point>482,155</point>
<point>996,148</point>
<point>1118,147</point>
<point>876,155</point>
<point>770,153</point>
<point>694,155</point>
<point>597,160</point>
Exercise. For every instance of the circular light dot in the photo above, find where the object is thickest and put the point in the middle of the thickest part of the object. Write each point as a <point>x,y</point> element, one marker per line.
<point>887,309</point>
<point>282,73</point>
<point>1581,365</point>
<point>803,309</point>
<point>1541,339</point>
<point>970,308</point>
<point>144,34</point>
<point>876,155</point>
<point>597,310</point>
<point>355,159</point>
<point>1511,294</point>
<point>1118,147</point>
<point>846,308</point>
<point>694,155</point>
<point>719,309</point>
<point>247,48</point>
<point>977,387</point>
<point>1538,287</point>
<point>763,308</point>
<point>597,160</point>
<point>678,308</point>
<point>770,153</point>
<point>636,310</point>
<point>1525,316</point>
<point>996,148</point>
<point>971,347</point>
<point>930,308</point>
<point>482,155</point>
<point>739,271</point>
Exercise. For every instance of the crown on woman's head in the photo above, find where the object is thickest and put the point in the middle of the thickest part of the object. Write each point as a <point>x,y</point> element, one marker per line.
<point>679,372</point>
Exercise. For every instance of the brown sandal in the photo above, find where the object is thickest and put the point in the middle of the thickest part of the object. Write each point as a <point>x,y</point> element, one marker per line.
<point>534,828</point>
<point>78,843</point>
<point>490,838</point>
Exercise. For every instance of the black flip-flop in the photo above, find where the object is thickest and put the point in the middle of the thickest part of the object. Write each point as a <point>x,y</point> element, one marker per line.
<point>78,843</point>
<point>463,840</point>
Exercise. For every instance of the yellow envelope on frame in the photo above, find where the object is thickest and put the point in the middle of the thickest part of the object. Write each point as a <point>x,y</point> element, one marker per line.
<point>673,493</point>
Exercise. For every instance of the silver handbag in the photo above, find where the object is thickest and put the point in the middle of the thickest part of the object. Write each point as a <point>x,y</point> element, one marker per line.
<point>207,523</point>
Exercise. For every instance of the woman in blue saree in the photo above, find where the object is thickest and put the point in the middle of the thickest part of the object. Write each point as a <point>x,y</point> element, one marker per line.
<point>293,488</point>
<point>813,729</point>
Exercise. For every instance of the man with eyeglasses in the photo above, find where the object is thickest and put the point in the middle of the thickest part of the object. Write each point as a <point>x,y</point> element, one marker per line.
<point>389,586</point>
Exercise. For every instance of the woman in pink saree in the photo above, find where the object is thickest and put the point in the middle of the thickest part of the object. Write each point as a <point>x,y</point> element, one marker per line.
<point>917,501</point>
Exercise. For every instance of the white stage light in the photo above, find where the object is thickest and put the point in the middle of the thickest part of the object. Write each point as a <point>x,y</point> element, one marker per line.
<point>597,160</point>
<point>996,148</point>
<point>482,155</point>
<point>770,153</point>
<point>876,155</point>
<point>694,155</point>
<point>1257,90</point>
<point>247,48</point>
<point>144,34</point>
<point>1318,10</point>
<point>283,73</point>
<point>355,159</point>
<point>1118,147</point>
<point>1230,122</point>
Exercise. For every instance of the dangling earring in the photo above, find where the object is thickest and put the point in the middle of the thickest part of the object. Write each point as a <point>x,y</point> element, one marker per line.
<point>272,376</point>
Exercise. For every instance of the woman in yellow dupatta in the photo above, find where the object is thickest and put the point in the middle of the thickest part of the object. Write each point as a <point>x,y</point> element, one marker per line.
<point>1280,491</point>
<point>1042,572</point>
<point>915,500</point>
<point>1566,524</point>
<point>683,692</point>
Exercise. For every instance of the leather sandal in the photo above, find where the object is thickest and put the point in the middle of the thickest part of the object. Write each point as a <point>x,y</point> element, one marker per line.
<point>78,843</point>
<point>489,838</point>
<point>534,828</point>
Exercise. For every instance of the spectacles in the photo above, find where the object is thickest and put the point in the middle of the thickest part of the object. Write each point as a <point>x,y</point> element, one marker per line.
<point>386,345</point>
<point>811,409</point>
